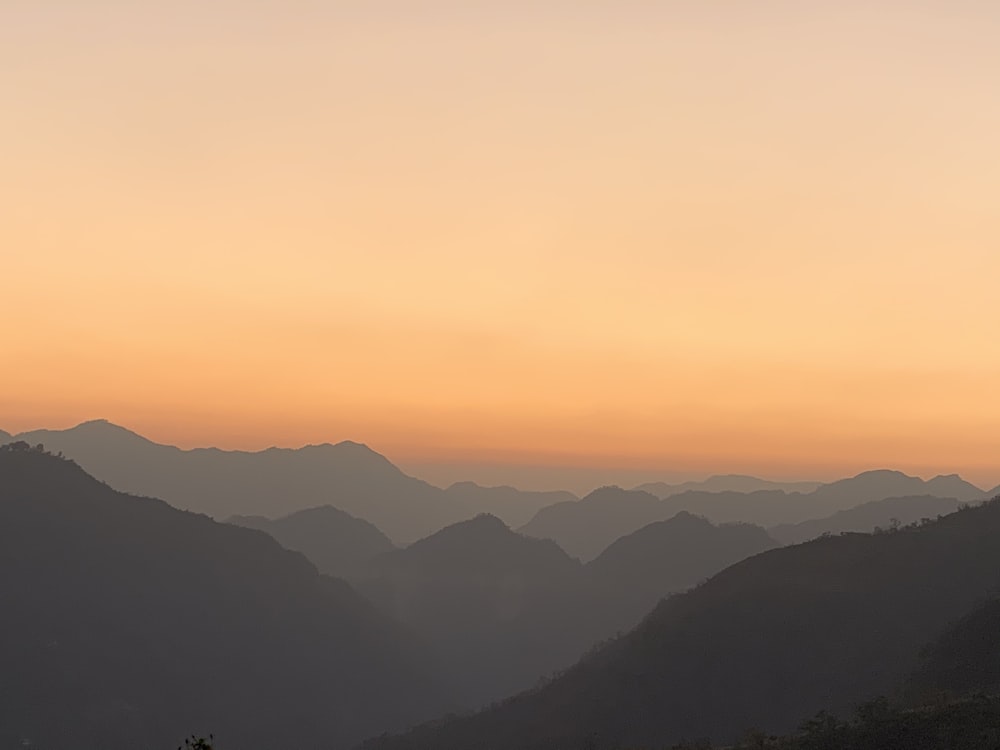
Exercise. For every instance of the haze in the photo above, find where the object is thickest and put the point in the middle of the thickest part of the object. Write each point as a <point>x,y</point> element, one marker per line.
<point>677,236</point>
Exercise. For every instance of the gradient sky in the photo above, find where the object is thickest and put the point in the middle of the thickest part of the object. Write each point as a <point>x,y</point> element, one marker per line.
<point>688,236</point>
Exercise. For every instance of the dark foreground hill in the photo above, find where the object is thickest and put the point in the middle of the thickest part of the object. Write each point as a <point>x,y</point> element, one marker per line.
<point>127,624</point>
<point>965,659</point>
<point>279,481</point>
<point>336,542</point>
<point>822,625</point>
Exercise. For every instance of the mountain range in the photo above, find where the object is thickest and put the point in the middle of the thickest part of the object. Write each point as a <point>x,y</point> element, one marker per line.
<point>586,527</point>
<point>279,481</point>
<point>130,624</point>
<point>877,514</point>
<point>766,643</point>
<point>503,610</point>
<point>725,483</point>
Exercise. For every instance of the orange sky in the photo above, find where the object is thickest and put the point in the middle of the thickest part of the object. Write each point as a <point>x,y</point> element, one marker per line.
<point>696,236</point>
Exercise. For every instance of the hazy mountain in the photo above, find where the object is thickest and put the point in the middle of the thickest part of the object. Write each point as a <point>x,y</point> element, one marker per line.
<point>516,507</point>
<point>277,481</point>
<point>484,597</point>
<point>585,527</point>
<point>766,643</point>
<point>505,610</point>
<point>5,437</point>
<point>883,483</point>
<point>639,569</point>
<point>726,483</point>
<point>130,624</point>
<point>866,517</point>
<point>995,492</point>
<point>334,541</point>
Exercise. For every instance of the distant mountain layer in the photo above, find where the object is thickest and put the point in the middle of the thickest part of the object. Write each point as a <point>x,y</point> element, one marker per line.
<point>129,624</point>
<point>637,570</point>
<point>336,542</point>
<point>483,597</point>
<point>766,643</point>
<point>504,610</point>
<point>726,483</point>
<point>587,526</point>
<point>279,481</point>
<point>867,517</point>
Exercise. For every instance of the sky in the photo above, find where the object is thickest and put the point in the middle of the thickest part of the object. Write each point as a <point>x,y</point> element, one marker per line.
<point>488,238</point>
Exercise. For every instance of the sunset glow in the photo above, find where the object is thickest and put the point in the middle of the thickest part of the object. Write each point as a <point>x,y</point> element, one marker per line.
<point>689,236</point>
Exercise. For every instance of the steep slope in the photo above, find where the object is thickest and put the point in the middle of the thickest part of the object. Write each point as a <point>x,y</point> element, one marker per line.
<point>770,640</point>
<point>866,517</point>
<point>726,483</point>
<point>270,483</point>
<point>964,660</point>
<point>485,597</point>
<point>334,541</point>
<point>639,569</point>
<point>129,624</point>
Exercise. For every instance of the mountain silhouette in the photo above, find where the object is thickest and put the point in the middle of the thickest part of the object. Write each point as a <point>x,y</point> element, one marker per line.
<point>483,596</point>
<point>505,610</point>
<point>883,483</point>
<point>334,541</point>
<point>866,517</point>
<point>769,641</point>
<point>127,623</point>
<point>279,481</point>
<point>585,527</point>
<point>639,569</point>
<point>514,506</point>
<point>726,483</point>
<point>964,660</point>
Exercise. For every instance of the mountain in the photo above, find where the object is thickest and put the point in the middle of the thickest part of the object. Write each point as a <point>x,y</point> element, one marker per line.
<point>515,507</point>
<point>964,660</point>
<point>484,597</point>
<point>277,481</point>
<point>726,483</point>
<point>5,437</point>
<point>823,625</point>
<point>995,492</point>
<point>585,527</point>
<point>130,624</point>
<point>866,517</point>
<point>883,483</point>
<point>639,569</point>
<point>334,541</point>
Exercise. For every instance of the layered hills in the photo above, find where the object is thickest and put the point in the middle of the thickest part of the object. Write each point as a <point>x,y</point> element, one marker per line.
<point>826,624</point>
<point>130,624</point>
<point>336,542</point>
<point>504,610</point>
<point>279,481</point>
<point>585,527</point>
